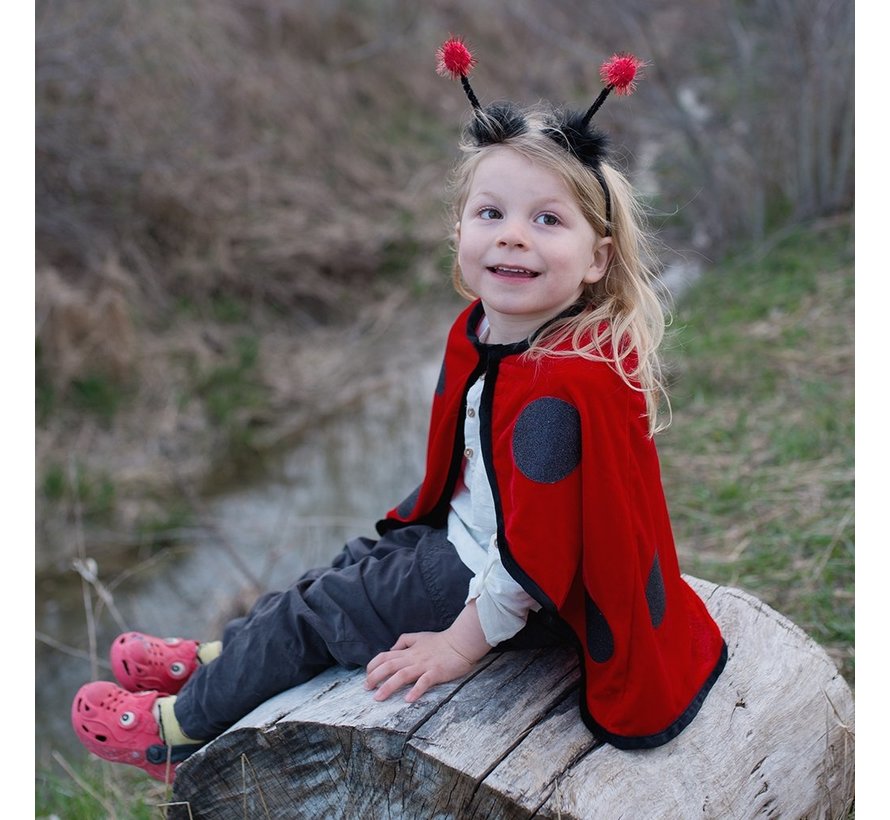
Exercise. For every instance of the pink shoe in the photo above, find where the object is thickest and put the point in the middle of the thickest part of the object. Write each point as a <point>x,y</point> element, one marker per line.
<point>120,726</point>
<point>145,663</point>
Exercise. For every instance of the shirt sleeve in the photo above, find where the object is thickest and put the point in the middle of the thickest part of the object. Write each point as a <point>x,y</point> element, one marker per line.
<point>503,605</point>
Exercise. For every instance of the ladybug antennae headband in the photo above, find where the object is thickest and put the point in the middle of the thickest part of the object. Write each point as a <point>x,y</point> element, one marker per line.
<point>571,129</point>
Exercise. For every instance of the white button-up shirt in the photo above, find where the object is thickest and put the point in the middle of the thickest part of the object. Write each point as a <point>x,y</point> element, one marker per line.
<point>501,602</point>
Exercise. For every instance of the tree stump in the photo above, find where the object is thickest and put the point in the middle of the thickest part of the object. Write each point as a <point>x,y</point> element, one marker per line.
<point>773,739</point>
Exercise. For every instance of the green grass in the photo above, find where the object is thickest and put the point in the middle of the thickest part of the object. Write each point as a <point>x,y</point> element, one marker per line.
<point>234,396</point>
<point>758,462</point>
<point>233,385</point>
<point>90,394</point>
<point>45,397</point>
<point>94,491</point>
<point>158,530</point>
<point>97,791</point>
<point>224,308</point>
<point>97,395</point>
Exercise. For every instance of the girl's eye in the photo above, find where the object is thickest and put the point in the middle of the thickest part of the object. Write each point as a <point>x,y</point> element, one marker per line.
<point>547,219</point>
<point>489,213</point>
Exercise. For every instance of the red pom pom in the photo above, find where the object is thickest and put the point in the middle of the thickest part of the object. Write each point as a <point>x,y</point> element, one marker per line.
<point>619,71</point>
<point>453,59</point>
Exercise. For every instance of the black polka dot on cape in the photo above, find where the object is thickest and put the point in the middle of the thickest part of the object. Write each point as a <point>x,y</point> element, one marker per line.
<point>655,593</point>
<point>547,440</point>
<point>600,642</point>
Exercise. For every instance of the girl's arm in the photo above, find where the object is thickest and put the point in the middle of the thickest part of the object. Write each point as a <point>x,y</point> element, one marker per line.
<point>428,658</point>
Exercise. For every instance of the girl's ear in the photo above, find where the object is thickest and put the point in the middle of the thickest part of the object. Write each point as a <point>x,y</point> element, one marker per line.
<point>599,263</point>
<point>457,233</point>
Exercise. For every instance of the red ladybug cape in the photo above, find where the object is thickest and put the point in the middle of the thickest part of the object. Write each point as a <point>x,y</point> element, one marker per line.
<point>582,525</point>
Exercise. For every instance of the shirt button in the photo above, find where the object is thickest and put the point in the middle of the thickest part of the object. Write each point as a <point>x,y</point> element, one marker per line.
<point>468,452</point>
<point>471,412</point>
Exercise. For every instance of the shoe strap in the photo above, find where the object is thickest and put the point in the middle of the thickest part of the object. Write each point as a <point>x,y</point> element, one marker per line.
<point>157,753</point>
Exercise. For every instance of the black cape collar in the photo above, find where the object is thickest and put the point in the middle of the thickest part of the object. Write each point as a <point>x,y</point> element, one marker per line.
<point>499,351</point>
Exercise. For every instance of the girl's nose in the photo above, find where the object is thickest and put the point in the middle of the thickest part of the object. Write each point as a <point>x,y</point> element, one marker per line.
<point>512,235</point>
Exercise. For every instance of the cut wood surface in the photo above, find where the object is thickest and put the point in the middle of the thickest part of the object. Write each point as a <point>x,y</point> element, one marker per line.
<point>773,739</point>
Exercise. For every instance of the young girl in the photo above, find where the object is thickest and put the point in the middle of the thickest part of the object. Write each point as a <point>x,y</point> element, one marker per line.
<point>541,518</point>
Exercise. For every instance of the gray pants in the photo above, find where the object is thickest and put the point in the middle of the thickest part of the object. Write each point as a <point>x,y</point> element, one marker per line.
<point>411,580</point>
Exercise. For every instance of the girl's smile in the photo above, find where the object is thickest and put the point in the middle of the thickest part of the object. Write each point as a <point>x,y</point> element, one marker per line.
<point>524,245</point>
<point>502,270</point>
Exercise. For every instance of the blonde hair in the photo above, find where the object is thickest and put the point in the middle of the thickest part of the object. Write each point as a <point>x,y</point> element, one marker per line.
<point>623,320</point>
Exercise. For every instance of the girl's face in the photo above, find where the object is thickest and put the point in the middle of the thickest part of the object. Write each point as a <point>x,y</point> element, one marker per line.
<point>524,245</point>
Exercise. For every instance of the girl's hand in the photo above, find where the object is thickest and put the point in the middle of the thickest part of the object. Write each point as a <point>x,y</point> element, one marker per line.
<point>428,658</point>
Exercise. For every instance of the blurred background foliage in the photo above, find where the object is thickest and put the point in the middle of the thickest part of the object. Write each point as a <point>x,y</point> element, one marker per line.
<point>219,180</point>
<point>284,149</point>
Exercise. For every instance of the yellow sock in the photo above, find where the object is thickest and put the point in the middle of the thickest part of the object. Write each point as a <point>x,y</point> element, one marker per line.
<point>209,651</point>
<point>168,725</point>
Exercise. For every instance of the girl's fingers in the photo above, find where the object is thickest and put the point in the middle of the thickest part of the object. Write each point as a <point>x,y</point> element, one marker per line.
<point>380,668</point>
<point>405,641</point>
<point>396,681</point>
<point>376,661</point>
<point>387,664</point>
<point>424,682</point>
<point>409,661</point>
